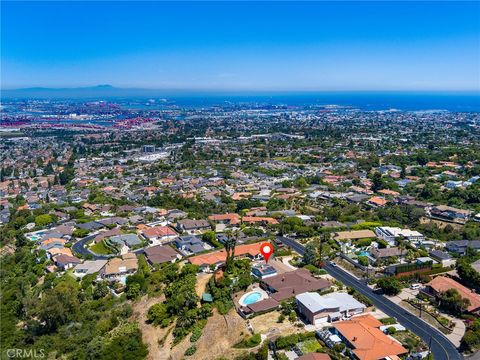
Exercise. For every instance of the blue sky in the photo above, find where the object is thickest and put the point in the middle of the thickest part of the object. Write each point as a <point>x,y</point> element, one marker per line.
<point>242,45</point>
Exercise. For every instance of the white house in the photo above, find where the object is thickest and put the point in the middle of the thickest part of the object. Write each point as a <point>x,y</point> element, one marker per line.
<point>318,309</point>
<point>391,234</point>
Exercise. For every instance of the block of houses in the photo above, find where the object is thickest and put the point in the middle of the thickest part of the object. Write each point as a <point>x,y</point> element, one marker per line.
<point>161,254</point>
<point>318,309</point>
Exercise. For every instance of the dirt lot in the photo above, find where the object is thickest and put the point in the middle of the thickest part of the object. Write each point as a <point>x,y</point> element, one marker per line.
<point>440,224</point>
<point>267,324</point>
<point>218,337</point>
<point>202,280</point>
<point>151,335</point>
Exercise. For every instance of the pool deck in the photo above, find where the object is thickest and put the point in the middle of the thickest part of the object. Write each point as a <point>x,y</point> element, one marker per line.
<point>252,288</point>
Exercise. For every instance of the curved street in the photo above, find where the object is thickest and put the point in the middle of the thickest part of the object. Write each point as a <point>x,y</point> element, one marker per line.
<point>441,347</point>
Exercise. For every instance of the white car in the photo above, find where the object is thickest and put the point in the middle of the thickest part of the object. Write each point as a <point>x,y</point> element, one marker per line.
<point>334,264</point>
<point>415,286</point>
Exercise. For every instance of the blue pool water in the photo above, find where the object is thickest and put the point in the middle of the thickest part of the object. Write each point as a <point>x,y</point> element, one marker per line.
<point>364,253</point>
<point>252,298</point>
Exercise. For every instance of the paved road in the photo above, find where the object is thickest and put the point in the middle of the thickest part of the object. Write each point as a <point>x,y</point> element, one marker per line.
<point>442,348</point>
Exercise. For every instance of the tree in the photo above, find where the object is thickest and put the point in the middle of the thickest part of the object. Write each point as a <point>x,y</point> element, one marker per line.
<point>377,181</point>
<point>363,260</point>
<point>467,273</point>
<point>230,245</point>
<point>59,305</point>
<point>43,220</point>
<point>158,315</point>
<point>390,285</point>
<point>101,290</point>
<point>310,255</point>
<point>453,302</point>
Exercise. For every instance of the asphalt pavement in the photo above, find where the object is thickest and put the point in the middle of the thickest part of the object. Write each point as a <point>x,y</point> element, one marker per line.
<point>441,347</point>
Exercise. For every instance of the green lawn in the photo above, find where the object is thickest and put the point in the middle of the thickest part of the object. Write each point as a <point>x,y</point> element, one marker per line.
<point>100,249</point>
<point>309,346</point>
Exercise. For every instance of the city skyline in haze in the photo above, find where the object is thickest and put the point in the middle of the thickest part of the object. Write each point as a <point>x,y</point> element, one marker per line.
<point>268,46</point>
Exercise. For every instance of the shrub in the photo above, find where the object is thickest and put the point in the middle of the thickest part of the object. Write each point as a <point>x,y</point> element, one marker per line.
<point>388,321</point>
<point>196,333</point>
<point>391,330</point>
<point>249,342</point>
<point>191,350</point>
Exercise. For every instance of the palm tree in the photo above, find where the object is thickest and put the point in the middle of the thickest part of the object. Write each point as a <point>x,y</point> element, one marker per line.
<point>230,244</point>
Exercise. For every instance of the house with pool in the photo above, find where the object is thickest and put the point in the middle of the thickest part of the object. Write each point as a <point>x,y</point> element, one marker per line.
<point>274,289</point>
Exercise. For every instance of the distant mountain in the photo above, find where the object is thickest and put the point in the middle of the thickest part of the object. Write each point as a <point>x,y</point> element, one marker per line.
<point>93,92</point>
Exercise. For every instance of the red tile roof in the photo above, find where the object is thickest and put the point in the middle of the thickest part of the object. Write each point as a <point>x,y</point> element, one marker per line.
<point>368,342</point>
<point>442,284</point>
<point>220,256</point>
<point>158,231</point>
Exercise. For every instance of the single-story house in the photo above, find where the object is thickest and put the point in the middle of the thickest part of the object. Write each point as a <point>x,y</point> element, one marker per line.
<point>90,226</point>
<point>347,236</point>
<point>65,262</point>
<point>192,226</point>
<point>118,267</point>
<point>442,257</point>
<point>126,239</point>
<point>460,246</point>
<point>190,244</point>
<point>441,284</point>
<point>88,267</point>
<point>216,258</point>
<point>317,309</point>
<point>450,213</point>
<point>386,253</point>
<point>292,283</point>
<point>160,254</point>
<point>159,234</point>
<point>362,334</point>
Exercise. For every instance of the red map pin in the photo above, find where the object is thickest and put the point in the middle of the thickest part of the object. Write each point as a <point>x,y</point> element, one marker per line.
<point>266,249</point>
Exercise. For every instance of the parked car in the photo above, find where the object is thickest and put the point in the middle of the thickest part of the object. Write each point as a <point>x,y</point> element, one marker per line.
<point>415,286</point>
<point>334,264</point>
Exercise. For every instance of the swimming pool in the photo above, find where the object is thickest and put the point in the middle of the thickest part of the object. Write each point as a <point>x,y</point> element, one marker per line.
<point>252,298</point>
<point>364,253</point>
